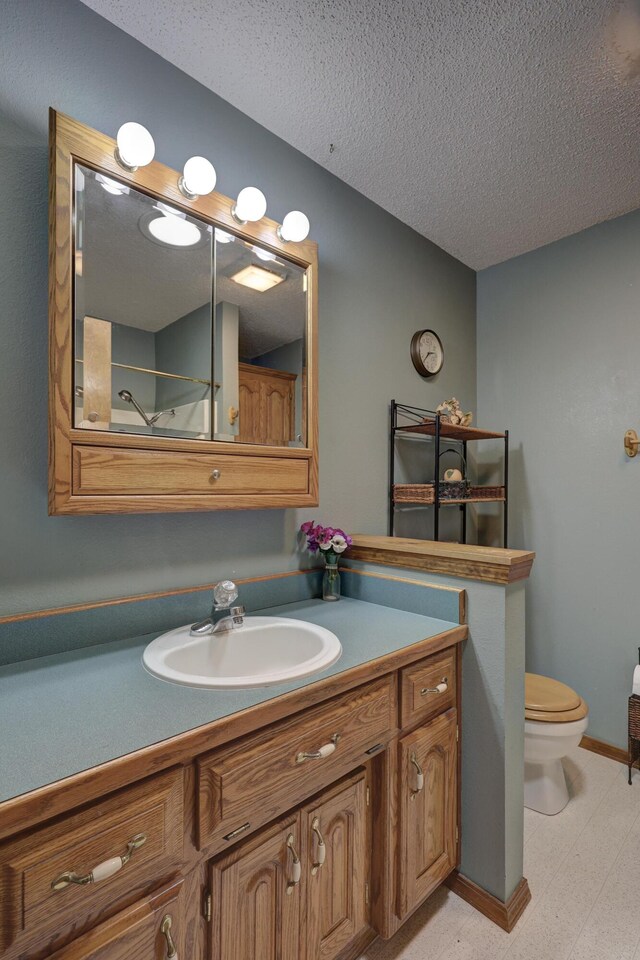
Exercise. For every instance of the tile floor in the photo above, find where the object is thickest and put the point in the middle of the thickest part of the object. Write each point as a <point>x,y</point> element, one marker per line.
<point>583,868</point>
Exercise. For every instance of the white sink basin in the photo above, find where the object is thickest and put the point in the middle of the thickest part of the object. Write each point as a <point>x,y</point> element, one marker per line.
<point>262,652</point>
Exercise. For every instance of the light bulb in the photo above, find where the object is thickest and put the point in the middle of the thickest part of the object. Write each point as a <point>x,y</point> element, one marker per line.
<point>250,206</point>
<point>111,186</point>
<point>263,254</point>
<point>135,147</point>
<point>295,227</point>
<point>198,178</point>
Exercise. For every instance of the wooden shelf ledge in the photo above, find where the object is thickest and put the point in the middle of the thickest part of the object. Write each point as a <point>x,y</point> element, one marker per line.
<point>451,431</point>
<point>490,564</point>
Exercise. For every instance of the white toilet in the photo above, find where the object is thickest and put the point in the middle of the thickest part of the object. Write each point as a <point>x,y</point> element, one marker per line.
<point>556,717</point>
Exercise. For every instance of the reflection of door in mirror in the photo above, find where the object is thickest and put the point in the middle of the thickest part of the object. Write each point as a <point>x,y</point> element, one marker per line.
<point>260,345</point>
<point>143,313</point>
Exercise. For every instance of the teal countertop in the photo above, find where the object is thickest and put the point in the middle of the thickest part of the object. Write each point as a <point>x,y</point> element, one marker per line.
<point>62,714</point>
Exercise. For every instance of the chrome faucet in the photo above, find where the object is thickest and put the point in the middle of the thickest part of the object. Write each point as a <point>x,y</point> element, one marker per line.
<point>224,593</point>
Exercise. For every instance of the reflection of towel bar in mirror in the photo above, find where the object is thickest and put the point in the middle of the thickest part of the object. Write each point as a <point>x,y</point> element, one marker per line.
<point>160,373</point>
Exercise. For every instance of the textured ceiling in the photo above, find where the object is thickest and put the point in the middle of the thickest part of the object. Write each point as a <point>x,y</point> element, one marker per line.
<point>491,127</point>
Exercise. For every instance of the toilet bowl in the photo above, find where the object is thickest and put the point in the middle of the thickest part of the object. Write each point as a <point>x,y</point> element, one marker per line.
<point>556,718</point>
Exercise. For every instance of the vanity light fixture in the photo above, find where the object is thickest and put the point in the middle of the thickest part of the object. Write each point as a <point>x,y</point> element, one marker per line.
<point>250,206</point>
<point>135,146</point>
<point>257,278</point>
<point>198,178</point>
<point>295,227</point>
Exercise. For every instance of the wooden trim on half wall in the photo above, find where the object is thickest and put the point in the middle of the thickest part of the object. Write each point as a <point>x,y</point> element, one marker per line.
<point>605,749</point>
<point>505,915</point>
<point>491,564</point>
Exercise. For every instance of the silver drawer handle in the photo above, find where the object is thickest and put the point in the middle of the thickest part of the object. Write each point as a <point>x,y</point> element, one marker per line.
<point>104,870</point>
<point>321,855</point>
<point>215,474</point>
<point>419,775</point>
<point>297,868</point>
<point>165,930</point>
<point>324,751</point>
<point>442,687</point>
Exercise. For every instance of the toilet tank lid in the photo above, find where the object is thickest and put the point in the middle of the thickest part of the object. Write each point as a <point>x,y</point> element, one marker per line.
<point>547,695</point>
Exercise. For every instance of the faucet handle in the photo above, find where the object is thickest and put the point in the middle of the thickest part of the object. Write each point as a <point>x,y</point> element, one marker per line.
<point>224,593</point>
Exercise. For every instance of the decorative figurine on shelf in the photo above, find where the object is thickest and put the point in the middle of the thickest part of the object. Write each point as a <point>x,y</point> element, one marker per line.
<point>451,411</point>
<point>330,542</point>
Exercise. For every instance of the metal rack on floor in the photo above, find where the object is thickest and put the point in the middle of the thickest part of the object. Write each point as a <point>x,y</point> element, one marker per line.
<point>420,422</point>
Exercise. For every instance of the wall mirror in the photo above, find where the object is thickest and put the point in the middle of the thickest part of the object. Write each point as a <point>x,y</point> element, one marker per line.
<point>175,334</point>
<point>182,329</point>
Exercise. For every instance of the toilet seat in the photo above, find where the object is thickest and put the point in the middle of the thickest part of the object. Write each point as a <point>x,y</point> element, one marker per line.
<point>549,701</point>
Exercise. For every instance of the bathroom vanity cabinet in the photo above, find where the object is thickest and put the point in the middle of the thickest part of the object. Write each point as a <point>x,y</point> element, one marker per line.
<point>301,828</point>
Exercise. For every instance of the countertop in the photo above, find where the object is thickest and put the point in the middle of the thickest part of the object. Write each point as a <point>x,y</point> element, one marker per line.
<point>63,714</point>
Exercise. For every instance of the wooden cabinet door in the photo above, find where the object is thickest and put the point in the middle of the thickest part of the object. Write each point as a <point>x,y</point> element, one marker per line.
<point>428,808</point>
<point>277,400</point>
<point>152,929</point>
<point>256,897</point>
<point>335,831</point>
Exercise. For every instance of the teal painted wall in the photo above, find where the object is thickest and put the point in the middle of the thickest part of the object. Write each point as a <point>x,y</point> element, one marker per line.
<point>379,282</point>
<point>559,363</point>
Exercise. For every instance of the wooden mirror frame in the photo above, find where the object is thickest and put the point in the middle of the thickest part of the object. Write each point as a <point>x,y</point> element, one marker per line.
<point>93,471</point>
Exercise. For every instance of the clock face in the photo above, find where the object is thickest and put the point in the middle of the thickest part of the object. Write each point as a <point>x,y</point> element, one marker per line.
<point>427,352</point>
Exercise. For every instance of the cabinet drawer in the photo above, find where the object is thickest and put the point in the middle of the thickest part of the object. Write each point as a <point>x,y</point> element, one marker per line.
<point>101,470</point>
<point>264,775</point>
<point>421,687</point>
<point>134,933</point>
<point>35,897</point>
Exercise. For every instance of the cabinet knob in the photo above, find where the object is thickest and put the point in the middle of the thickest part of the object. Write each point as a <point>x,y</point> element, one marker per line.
<point>215,474</point>
<point>419,776</point>
<point>165,930</point>
<point>297,867</point>
<point>103,870</point>
<point>442,687</point>
<point>321,854</point>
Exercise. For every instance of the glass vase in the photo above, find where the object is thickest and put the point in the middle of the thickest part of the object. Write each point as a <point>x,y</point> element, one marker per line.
<point>331,582</point>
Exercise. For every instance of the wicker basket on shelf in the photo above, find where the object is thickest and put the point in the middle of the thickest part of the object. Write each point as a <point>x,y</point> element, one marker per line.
<point>454,489</point>
<point>425,493</point>
<point>634,731</point>
<point>414,493</point>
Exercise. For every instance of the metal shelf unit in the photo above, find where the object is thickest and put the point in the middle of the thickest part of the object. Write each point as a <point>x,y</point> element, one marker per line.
<point>420,422</point>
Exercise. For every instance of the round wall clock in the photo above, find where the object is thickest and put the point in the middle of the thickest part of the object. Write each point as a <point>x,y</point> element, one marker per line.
<point>427,353</point>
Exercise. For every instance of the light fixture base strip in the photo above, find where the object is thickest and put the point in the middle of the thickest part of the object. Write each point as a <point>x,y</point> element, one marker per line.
<point>237,219</point>
<point>125,166</point>
<point>279,235</point>
<point>183,190</point>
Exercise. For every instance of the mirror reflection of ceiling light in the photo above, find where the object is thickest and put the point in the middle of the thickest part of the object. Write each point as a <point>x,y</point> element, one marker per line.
<point>174,231</point>
<point>295,227</point>
<point>135,146</point>
<point>250,206</point>
<point>111,186</point>
<point>257,278</point>
<point>198,178</point>
<point>223,237</point>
